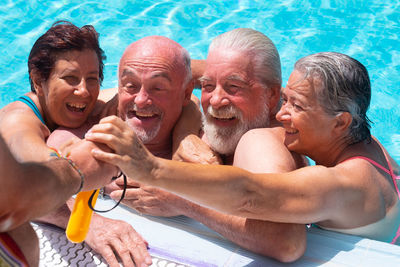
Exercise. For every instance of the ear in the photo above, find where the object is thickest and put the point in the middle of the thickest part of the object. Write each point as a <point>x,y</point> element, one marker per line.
<point>343,121</point>
<point>274,96</point>
<point>37,82</point>
<point>188,93</point>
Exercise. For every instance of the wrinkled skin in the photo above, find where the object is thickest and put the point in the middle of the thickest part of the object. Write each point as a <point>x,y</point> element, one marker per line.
<point>145,199</point>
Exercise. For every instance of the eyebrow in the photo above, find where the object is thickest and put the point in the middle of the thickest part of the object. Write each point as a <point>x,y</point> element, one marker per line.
<point>161,74</point>
<point>297,97</point>
<point>73,70</point>
<point>205,79</point>
<point>235,77</point>
<point>69,70</point>
<point>94,72</point>
<point>127,72</point>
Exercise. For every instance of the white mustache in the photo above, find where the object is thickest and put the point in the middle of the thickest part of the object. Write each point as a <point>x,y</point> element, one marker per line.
<point>226,112</point>
<point>149,109</point>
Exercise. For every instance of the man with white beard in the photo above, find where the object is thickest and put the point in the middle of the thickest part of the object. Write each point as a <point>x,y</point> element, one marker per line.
<point>240,91</point>
<point>240,88</point>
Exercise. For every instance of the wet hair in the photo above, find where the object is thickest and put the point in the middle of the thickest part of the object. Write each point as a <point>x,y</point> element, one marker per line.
<point>62,37</point>
<point>258,46</point>
<point>188,70</point>
<point>345,88</point>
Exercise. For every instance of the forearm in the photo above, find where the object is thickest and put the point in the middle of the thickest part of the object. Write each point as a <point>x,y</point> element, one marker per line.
<point>60,216</point>
<point>221,187</point>
<point>284,242</point>
<point>296,197</point>
<point>273,197</point>
<point>36,189</point>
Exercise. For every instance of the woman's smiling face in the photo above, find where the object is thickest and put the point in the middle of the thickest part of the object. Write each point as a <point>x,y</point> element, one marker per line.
<point>71,90</point>
<point>308,127</point>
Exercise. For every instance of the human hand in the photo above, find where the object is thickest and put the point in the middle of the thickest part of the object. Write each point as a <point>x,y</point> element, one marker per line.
<point>69,142</point>
<point>146,199</point>
<point>112,238</point>
<point>130,155</point>
<point>97,173</point>
<point>193,149</point>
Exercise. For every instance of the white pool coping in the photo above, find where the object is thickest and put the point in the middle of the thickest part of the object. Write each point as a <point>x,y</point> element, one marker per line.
<point>181,241</point>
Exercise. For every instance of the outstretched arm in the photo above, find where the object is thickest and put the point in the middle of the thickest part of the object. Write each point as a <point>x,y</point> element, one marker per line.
<point>110,238</point>
<point>18,199</point>
<point>309,194</point>
<point>281,241</point>
<point>284,242</point>
<point>29,171</point>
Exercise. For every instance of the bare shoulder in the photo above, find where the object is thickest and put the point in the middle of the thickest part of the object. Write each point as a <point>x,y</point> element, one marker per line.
<point>23,132</point>
<point>261,138</point>
<point>276,133</point>
<point>12,109</point>
<point>17,116</point>
<point>263,150</point>
<point>366,175</point>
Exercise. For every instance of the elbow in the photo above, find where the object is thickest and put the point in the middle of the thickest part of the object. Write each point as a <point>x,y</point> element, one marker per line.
<point>10,221</point>
<point>6,222</point>
<point>291,252</point>
<point>291,246</point>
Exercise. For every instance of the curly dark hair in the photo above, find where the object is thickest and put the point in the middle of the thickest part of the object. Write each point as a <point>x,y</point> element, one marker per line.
<point>63,36</point>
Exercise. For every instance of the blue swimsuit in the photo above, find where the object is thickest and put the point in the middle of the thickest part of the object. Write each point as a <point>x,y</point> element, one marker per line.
<point>25,99</point>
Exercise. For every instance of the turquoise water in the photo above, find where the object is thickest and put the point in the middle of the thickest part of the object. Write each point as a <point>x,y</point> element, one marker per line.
<point>366,30</point>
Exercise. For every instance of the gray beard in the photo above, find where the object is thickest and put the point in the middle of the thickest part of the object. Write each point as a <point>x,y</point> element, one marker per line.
<point>224,140</point>
<point>147,136</point>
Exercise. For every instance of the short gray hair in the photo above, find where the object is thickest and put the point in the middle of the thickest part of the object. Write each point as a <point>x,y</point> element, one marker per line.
<point>345,88</point>
<point>186,62</point>
<point>261,49</point>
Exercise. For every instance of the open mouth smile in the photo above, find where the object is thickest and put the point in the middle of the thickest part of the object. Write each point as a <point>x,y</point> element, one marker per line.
<point>76,107</point>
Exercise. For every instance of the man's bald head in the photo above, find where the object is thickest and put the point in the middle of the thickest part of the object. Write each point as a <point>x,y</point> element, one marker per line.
<point>153,47</point>
<point>154,84</point>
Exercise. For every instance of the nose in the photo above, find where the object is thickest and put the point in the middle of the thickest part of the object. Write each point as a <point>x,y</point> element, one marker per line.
<point>283,114</point>
<point>81,89</point>
<point>142,98</point>
<point>219,97</point>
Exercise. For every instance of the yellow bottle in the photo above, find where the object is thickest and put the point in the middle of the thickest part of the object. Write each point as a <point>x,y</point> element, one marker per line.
<point>81,215</point>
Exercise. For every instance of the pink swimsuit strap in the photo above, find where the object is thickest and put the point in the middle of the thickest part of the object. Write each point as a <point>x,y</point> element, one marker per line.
<point>394,178</point>
<point>373,162</point>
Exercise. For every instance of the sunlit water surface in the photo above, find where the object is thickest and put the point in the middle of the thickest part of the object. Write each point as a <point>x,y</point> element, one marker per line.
<point>366,30</point>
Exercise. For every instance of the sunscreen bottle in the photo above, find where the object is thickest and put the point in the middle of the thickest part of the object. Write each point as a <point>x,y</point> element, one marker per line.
<point>81,215</point>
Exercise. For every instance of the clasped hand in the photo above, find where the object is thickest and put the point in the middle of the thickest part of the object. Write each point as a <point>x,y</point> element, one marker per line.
<point>129,153</point>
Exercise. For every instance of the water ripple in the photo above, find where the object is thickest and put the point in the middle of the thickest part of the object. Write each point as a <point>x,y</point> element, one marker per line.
<point>366,30</point>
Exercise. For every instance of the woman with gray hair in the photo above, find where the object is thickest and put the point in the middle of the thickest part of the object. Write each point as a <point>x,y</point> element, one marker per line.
<point>352,189</point>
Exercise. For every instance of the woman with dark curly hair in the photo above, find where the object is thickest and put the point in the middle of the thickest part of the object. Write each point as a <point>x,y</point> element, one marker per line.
<point>65,71</point>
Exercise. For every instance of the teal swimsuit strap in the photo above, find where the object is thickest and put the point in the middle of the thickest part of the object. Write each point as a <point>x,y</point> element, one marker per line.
<point>28,101</point>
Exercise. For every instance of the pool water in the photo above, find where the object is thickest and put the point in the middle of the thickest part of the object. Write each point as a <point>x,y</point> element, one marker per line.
<point>366,30</point>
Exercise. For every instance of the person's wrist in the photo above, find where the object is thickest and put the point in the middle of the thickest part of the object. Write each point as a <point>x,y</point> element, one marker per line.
<point>57,155</point>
